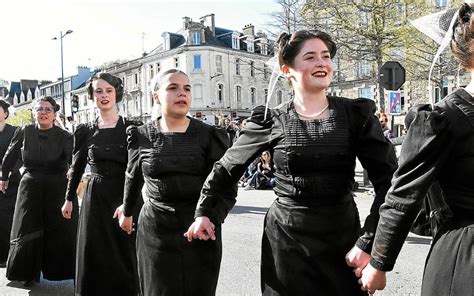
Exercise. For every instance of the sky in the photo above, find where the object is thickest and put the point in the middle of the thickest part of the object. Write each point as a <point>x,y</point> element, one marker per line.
<point>103,30</point>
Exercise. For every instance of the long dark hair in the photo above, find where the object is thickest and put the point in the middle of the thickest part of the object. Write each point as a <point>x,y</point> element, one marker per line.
<point>112,80</point>
<point>463,33</point>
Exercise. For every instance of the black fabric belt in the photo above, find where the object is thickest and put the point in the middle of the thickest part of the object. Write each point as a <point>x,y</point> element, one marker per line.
<point>108,170</point>
<point>326,201</point>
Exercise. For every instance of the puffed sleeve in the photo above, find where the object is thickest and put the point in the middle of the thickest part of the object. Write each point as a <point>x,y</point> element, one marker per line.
<point>259,134</point>
<point>68,147</point>
<point>12,155</point>
<point>377,156</point>
<point>133,174</point>
<point>424,152</point>
<point>79,159</point>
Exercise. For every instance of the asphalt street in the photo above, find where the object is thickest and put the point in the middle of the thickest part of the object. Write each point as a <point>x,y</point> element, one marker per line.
<point>240,267</point>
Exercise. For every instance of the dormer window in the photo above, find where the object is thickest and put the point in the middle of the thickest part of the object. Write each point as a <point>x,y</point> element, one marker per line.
<point>264,48</point>
<point>250,45</point>
<point>166,40</point>
<point>196,38</point>
<point>235,40</point>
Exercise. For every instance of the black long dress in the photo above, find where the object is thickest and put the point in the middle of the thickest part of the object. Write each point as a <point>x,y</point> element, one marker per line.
<point>173,167</point>
<point>106,257</point>
<point>314,221</point>
<point>41,239</point>
<point>7,199</point>
<point>439,147</point>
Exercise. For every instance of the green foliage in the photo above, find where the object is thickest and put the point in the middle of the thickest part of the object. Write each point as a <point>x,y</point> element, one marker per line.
<point>21,118</point>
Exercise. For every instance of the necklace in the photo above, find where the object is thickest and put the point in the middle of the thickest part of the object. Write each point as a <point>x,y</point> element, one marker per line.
<point>314,115</point>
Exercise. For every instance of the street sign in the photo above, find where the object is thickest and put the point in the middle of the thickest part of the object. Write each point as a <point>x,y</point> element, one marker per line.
<point>395,103</point>
<point>392,75</point>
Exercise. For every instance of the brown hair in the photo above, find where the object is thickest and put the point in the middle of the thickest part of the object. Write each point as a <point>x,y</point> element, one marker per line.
<point>112,80</point>
<point>463,32</point>
<point>290,45</point>
<point>159,80</point>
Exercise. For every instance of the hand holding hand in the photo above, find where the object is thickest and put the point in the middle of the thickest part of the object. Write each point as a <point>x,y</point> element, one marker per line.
<point>67,209</point>
<point>126,223</point>
<point>372,279</point>
<point>4,186</point>
<point>358,259</point>
<point>202,228</point>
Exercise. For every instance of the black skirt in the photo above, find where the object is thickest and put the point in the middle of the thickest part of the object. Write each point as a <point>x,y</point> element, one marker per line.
<point>167,263</point>
<point>7,208</point>
<point>41,239</point>
<point>449,269</point>
<point>106,257</point>
<point>304,248</point>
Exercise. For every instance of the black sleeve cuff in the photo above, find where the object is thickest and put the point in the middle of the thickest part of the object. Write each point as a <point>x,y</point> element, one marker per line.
<point>381,266</point>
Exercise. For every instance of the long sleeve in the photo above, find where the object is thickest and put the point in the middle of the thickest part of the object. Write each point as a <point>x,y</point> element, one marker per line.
<point>258,135</point>
<point>377,156</point>
<point>133,174</point>
<point>79,160</point>
<point>12,154</point>
<point>424,152</point>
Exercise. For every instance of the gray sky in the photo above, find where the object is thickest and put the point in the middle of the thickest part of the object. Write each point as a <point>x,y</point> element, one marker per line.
<point>104,30</point>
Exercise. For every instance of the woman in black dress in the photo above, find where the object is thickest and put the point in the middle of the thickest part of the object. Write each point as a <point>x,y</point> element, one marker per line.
<point>41,240</point>
<point>439,147</point>
<point>7,199</point>
<point>316,138</point>
<point>106,258</point>
<point>172,156</point>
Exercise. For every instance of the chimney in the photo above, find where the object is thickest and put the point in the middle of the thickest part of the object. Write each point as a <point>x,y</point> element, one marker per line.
<point>249,30</point>
<point>212,26</point>
<point>186,21</point>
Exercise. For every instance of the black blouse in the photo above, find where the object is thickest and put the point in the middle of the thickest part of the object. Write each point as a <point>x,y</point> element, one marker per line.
<point>173,166</point>
<point>45,151</point>
<point>438,147</point>
<point>315,160</point>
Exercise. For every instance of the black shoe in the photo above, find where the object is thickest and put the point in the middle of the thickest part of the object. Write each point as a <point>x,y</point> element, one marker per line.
<point>3,264</point>
<point>28,283</point>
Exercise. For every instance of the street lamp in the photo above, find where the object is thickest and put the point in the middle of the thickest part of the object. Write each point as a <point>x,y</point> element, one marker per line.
<point>61,36</point>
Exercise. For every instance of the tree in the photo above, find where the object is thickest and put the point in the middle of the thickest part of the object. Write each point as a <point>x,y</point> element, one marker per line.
<point>288,19</point>
<point>21,118</point>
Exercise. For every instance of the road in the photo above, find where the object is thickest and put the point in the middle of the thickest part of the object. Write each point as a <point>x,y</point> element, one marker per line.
<point>240,268</point>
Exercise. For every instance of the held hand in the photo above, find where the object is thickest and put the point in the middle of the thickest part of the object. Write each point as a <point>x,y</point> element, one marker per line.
<point>67,209</point>
<point>358,259</point>
<point>126,223</point>
<point>372,279</point>
<point>4,186</point>
<point>202,229</point>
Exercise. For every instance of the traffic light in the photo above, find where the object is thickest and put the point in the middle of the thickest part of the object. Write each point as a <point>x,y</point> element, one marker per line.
<point>75,104</point>
<point>234,114</point>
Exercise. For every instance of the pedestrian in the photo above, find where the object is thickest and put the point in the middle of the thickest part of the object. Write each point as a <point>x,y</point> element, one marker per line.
<point>387,132</point>
<point>263,178</point>
<point>313,224</point>
<point>7,199</point>
<point>438,148</point>
<point>40,240</point>
<point>231,130</point>
<point>172,156</point>
<point>106,257</point>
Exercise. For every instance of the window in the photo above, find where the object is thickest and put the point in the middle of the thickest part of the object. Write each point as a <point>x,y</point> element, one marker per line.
<point>441,3</point>
<point>365,92</point>
<point>238,93</point>
<point>253,94</point>
<point>152,72</point>
<point>176,62</point>
<point>158,68</point>
<point>364,69</point>
<point>219,64</point>
<point>279,97</point>
<point>237,67</point>
<point>235,41</point>
<point>196,38</point>
<point>252,69</point>
<point>264,49</point>
<point>135,78</point>
<point>197,62</point>
<point>197,91</point>
<point>265,71</point>
<point>265,95</point>
<point>220,93</point>
<point>250,47</point>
